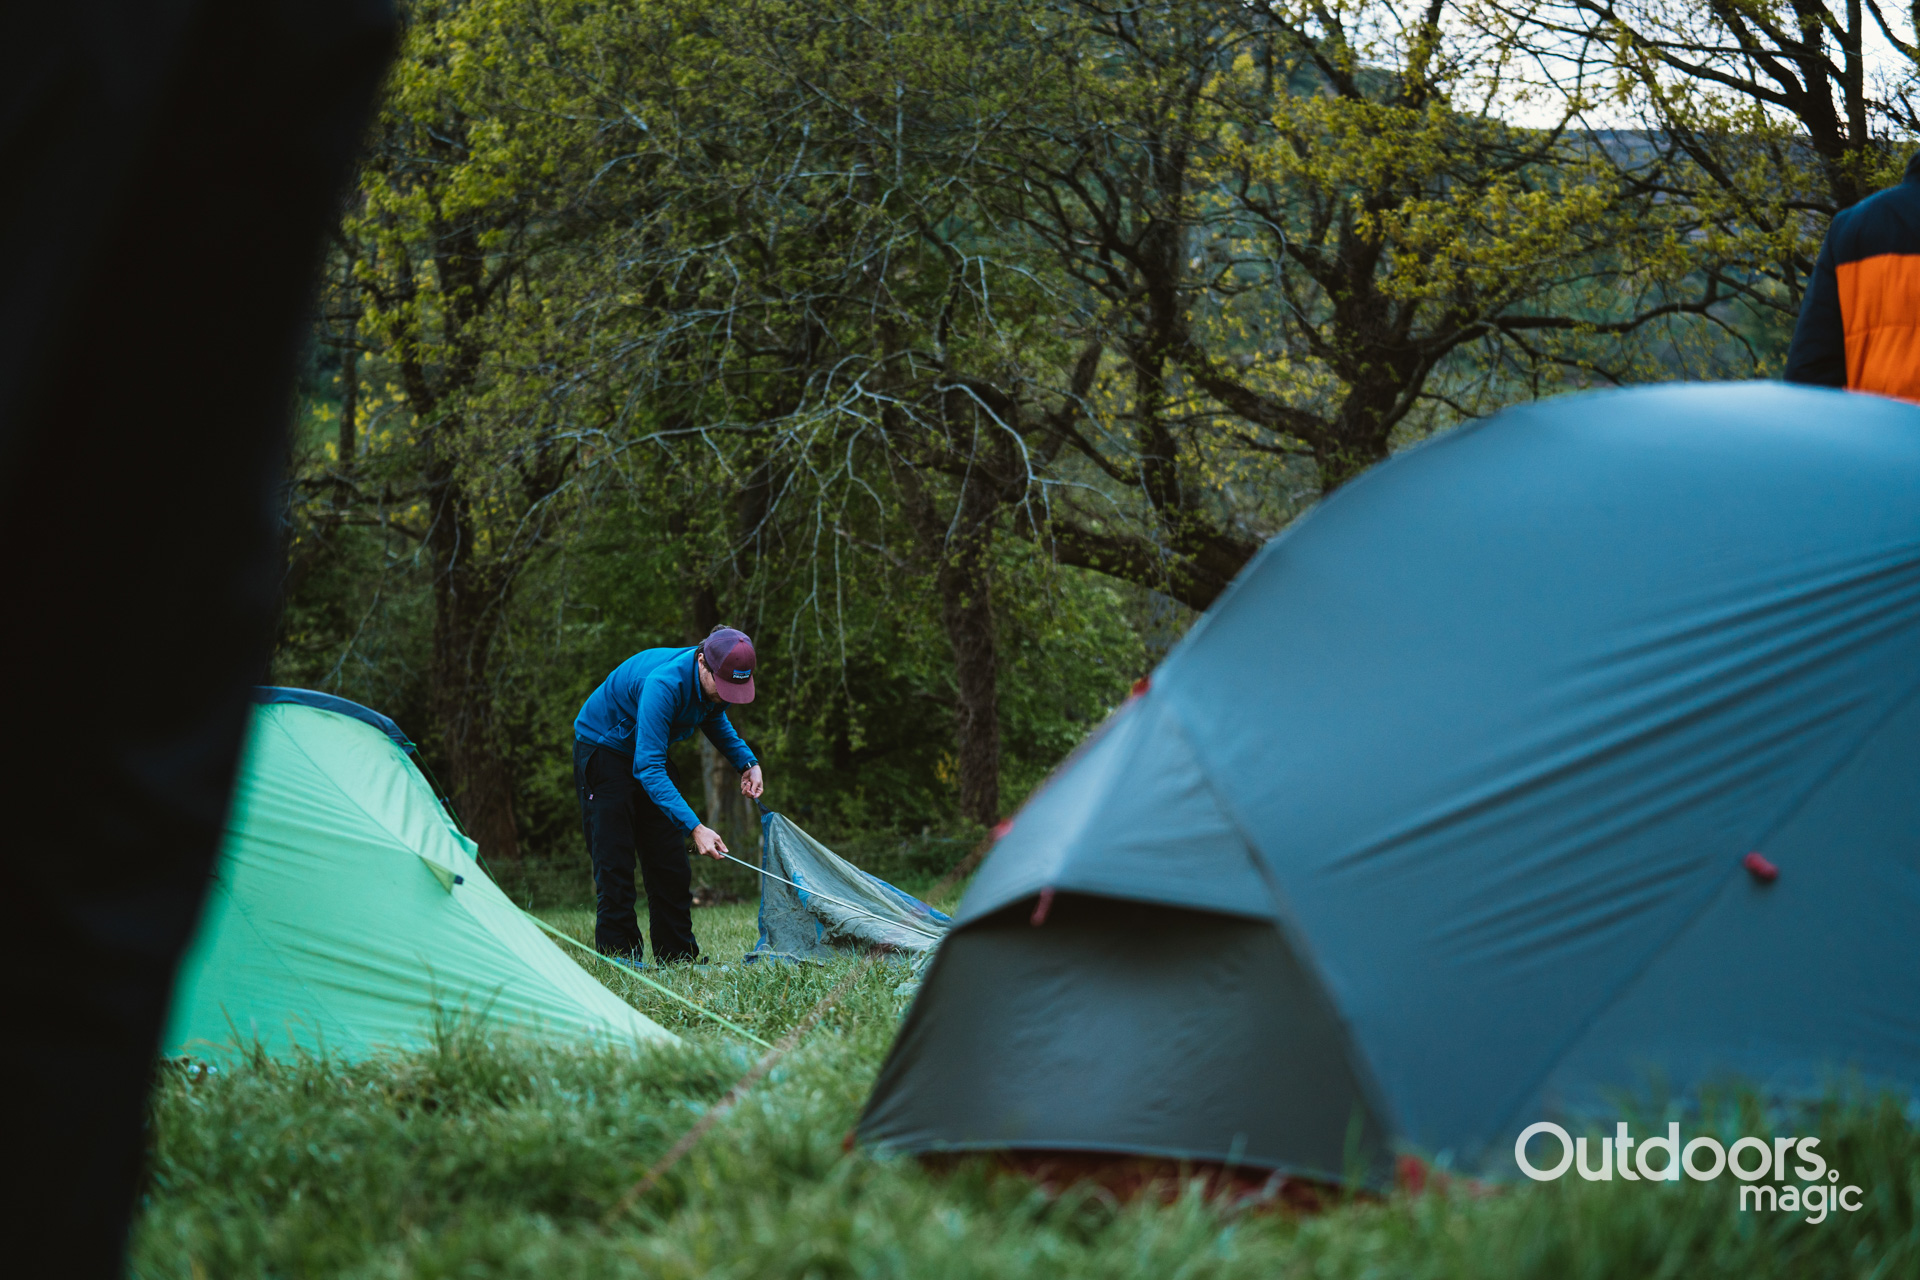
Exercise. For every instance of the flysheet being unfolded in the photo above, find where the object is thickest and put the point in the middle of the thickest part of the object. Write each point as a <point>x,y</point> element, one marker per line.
<point>814,903</point>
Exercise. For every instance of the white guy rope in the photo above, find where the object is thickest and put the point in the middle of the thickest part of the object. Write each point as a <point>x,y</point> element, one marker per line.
<point>927,934</point>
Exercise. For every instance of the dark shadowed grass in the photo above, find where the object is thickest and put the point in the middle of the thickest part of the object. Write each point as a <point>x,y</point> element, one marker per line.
<point>486,1156</point>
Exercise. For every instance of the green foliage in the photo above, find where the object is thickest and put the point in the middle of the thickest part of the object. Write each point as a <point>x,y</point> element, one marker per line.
<point>919,338</point>
<point>1753,122</point>
<point>927,341</point>
<point>563,422</point>
<point>499,1157</point>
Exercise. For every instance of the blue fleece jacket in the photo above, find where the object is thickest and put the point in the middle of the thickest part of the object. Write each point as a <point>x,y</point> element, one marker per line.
<point>651,700</point>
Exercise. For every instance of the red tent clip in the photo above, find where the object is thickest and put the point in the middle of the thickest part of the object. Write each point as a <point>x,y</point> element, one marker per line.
<point>1001,828</point>
<point>1041,907</point>
<point>1760,869</point>
<point>1141,685</point>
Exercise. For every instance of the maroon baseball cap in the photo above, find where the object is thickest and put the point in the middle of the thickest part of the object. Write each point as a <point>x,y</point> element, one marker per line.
<point>730,657</point>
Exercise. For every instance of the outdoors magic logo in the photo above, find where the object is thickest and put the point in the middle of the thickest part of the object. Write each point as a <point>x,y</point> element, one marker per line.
<point>1761,1165</point>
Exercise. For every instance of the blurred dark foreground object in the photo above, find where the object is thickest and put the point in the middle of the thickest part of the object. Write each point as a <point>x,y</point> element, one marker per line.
<point>167,173</point>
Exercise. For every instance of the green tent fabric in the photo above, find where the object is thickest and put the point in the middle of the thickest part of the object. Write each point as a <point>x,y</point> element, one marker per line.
<point>348,909</point>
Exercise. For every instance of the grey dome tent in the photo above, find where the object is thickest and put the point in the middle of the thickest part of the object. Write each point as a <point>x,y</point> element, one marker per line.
<point>1438,823</point>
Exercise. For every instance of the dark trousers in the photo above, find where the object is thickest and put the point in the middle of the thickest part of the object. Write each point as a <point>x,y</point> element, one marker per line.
<point>172,167</point>
<point>624,824</point>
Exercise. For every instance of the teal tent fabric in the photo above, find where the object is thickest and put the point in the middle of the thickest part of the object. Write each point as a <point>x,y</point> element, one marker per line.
<point>814,903</point>
<point>1479,748</point>
<point>271,693</point>
<point>349,912</point>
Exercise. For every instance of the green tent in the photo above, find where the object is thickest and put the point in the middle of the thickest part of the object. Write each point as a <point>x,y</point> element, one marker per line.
<point>348,908</point>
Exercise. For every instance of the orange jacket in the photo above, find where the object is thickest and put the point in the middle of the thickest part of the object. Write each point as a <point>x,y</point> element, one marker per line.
<point>1860,323</point>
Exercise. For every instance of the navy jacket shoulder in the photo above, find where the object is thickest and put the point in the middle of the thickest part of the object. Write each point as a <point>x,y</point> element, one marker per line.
<point>1886,222</point>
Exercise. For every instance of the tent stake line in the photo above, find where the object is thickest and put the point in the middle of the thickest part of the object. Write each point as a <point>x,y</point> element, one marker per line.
<point>718,1110</point>
<point>631,973</point>
<point>830,898</point>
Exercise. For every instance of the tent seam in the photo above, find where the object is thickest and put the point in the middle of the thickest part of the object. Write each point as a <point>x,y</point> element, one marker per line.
<point>395,836</point>
<point>1729,879</point>
<point>400,845</point>
<point>1290,1169</point>
<point>1291,934</point>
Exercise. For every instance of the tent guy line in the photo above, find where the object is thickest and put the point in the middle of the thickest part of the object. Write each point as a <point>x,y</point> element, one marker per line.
<point>838,902</point>
<point>718,1111</point>
<point>337,838</point>
<point>625,971</point>
<point>799,921</point>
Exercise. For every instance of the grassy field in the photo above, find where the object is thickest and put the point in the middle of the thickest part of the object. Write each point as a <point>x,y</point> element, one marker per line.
<point>496,1158</point>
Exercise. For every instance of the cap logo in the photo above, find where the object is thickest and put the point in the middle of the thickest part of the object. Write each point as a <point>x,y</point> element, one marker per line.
<point>743,673</point>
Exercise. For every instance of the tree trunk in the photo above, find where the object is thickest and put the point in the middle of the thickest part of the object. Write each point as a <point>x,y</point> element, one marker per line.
<point>960,549</point>
<point>349,401</point>
<point>480,778</point>
<point>1377,364</point>
<point>479,774</point>
<point>964,581</point>
<point>966,609</point>
<point>1340,460</point>
<point>727,811</point>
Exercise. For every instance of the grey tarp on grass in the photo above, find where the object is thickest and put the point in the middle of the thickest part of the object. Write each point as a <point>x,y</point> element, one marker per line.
<point>830,903</point>
<point>1476,751</point>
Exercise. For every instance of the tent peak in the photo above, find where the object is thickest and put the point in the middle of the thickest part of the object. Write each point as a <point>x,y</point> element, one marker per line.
<point>268,694</point>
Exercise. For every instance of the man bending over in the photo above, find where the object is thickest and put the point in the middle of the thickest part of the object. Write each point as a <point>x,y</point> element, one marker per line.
<point>630,804</point>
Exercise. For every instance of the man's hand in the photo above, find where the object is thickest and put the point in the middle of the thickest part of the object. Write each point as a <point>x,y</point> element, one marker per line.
<point>750,784</point>
<point>707,842</point>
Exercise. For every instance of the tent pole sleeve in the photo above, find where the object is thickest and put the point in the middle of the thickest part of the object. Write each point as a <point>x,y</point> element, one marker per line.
<point>629,973</point>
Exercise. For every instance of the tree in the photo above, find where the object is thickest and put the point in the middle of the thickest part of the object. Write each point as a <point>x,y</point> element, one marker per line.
<point>1105,279</point>
<point>818,306</point>
<point>441,291</point>
<point>1761,120</point>
<point>883,320</point>
<point>1299,231</point>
